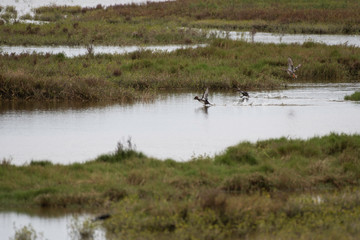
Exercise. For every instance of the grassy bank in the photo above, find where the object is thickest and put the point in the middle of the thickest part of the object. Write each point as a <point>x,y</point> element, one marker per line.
<point>159,23</point>
<point>278,188</point>
<point>353,97</point>
<point>223,65</point>
<point>122,32</point>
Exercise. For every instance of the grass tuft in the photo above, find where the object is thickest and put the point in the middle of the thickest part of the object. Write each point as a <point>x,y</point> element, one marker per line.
<point>122,152</point>
<point>241,154</point>
<point>353,97</point>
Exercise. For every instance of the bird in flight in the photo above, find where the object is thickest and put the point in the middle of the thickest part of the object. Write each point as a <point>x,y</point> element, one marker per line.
<point>243,94</point>
<point>291,69</point>
<point>204,98</point>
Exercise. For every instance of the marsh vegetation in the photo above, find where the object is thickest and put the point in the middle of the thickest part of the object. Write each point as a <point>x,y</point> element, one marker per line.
<point>353,97</point>
<point>163,22</point>
<point>266,189</point>
<point>277,188</point>
<point>223,65</point>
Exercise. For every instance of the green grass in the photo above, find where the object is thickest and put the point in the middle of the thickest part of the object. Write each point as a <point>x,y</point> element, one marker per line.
<point>160,22</point>
<point>223,65</point>
<point>278,188</point>
<point>100,32</point>
<point>353,97</point>
<point>317,164</point>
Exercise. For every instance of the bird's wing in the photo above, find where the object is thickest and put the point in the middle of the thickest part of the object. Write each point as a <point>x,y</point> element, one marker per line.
<point>297,67</point>
<point>290,64</point>
<point>206,93</point>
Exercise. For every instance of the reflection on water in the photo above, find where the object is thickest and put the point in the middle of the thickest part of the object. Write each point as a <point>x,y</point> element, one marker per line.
<point>202,109</point>
<point>29,106</point>
<point>262,37</point>
<point>175,125</point>
<point>82,50</point>
<point>50,226</point>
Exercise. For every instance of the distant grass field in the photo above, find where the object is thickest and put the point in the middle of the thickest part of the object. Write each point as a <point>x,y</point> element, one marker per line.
<point>278,188</point>
<point>223,65</point>
<point>161,22</point>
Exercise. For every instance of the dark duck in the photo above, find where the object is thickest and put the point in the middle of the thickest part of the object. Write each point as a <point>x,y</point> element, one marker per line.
<point>204,98</point>
<point>243,94</point>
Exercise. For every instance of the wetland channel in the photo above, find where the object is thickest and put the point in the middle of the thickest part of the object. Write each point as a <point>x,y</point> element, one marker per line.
<point>260,37</point>
<point>174,125</point>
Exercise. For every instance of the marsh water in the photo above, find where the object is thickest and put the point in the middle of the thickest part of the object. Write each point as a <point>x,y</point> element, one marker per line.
<point>263,37</point>
<point>174,125</point>
<point>73,51</point>
<point>47,225</point>
<point>82,50</point>
<point>25,6</point>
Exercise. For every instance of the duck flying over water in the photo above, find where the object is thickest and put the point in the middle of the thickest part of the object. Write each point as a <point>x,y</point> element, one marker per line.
<point>243,94</point>
<point>291,69</point>
<point>204,98</point>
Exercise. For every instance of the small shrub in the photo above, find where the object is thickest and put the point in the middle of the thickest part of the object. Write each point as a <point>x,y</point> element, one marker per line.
<point>214,199</point>
<point>117,72</point>
<point>353,97</point>
<point>136,178</point>
<point>76,166</point>
<point>336,144</point>
<point>122,152</point>
<point>10,9</point>
<point>65,200</point>
<point>309,44</point>
<point>60,57</point>
<point>41,163</point>
<point>247,184</point>
<point>241,154</point>
<point>25,233</point>
<point>6,161</point>
<point>82,230</point>
<point>26,17</point>
<point>114,194</point>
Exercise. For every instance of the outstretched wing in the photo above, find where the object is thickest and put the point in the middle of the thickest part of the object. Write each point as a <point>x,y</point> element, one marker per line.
<point>290,64</point>
<point>206,93</point>
<point>297,67</point>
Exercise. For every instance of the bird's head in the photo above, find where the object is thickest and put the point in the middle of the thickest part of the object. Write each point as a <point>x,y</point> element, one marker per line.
<point>196,98</point>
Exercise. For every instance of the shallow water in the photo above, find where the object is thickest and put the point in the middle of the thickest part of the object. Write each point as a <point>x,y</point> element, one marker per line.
<point>25,6</point>
<point>348,40</point>
<point>263,37</point>
<point>174,125</point>
<point>81,50</point>
<point>46,225</point>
